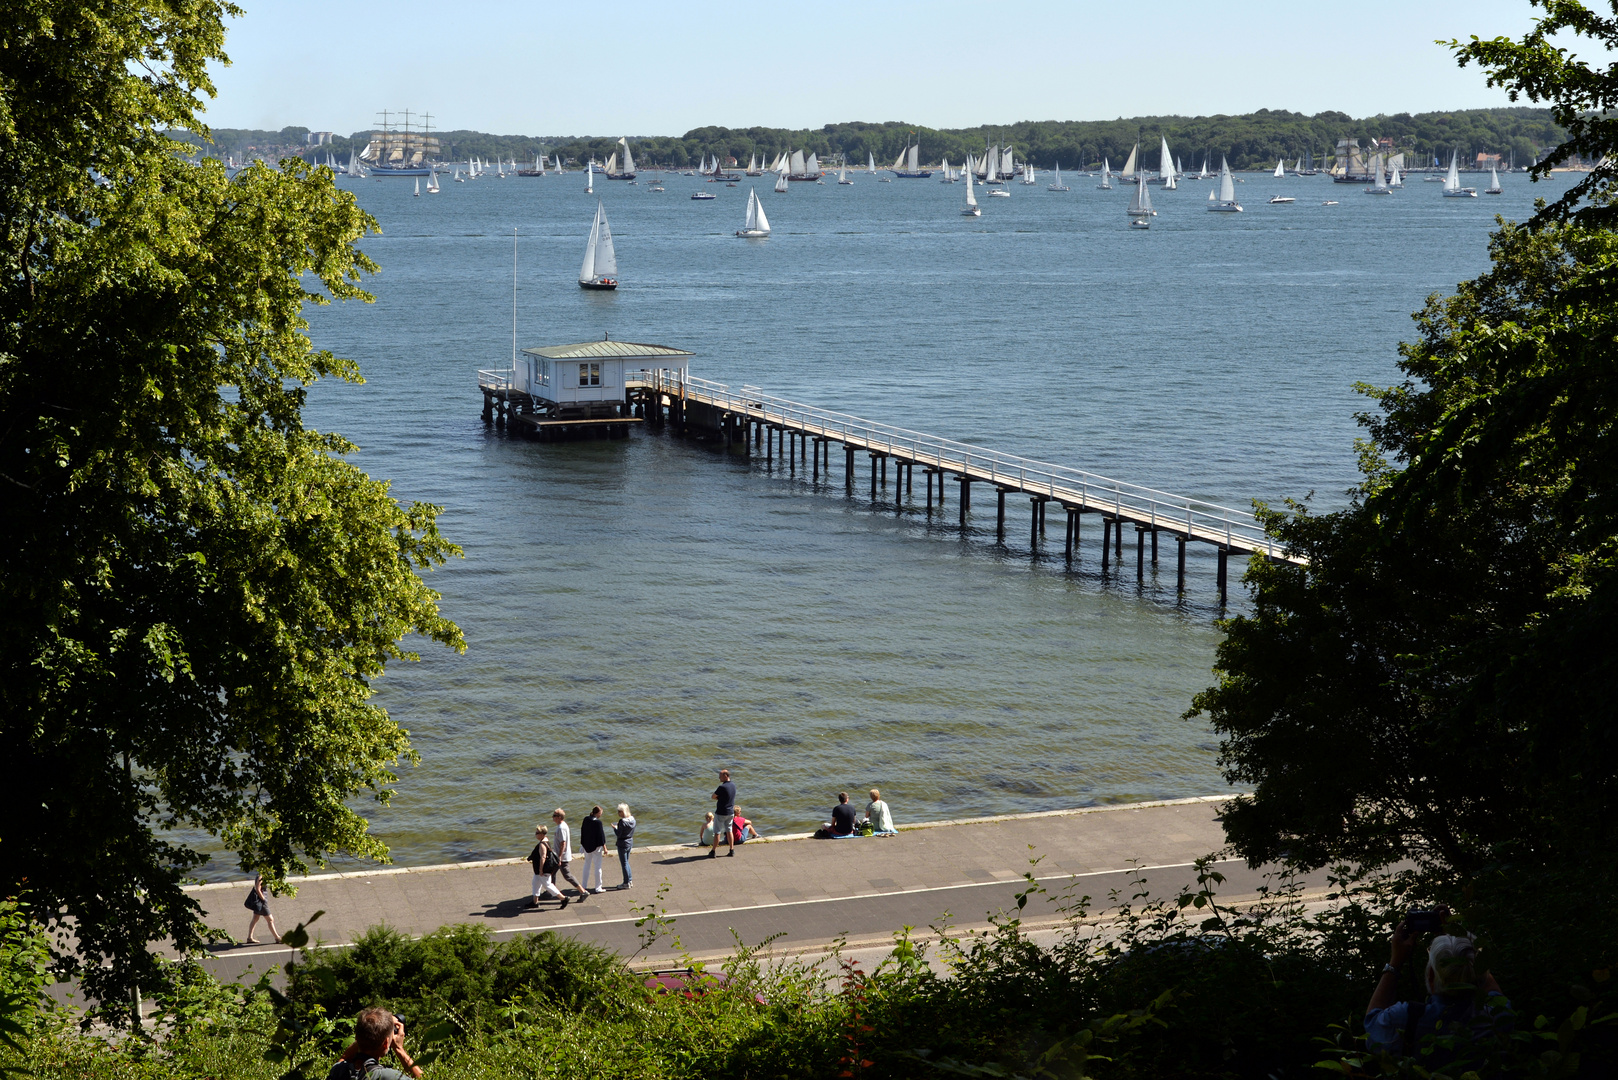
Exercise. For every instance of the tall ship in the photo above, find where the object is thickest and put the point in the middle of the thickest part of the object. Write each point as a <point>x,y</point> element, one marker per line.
<point>401,148</point>
<point>1351,166</point>
<point>908,165</point>
<point>628,171</point>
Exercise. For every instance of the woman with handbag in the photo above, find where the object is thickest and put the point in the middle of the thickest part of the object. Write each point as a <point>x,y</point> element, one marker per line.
<point>258,902</point>
<point>545,862</point>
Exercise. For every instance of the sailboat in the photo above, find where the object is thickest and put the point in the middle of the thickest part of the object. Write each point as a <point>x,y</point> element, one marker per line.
<point>870,162</point>
<point>1203,175</point>
<point>1106,177</point>
<point>499,169</point>
<point>948,177</point>
<point>459,179</point>
<point>1452,182</point>
<point>432,183</point>
<point>1058,185</point>
<point>753,166</point>
<point>781,181</point>
<point>1028,173</point>
<point>1166,170</point>
<point>908,167</point>
<point>1394,179</point>
<point>418,186</point>
<point>1494,187</point>
<point>590,179</point>
<point>1130,168</point>
<point>1226,202</point>
<point>1281,169</point>
<point>1140,207</point>
<point>842,175</point>
<point>992,176</point>
<point>1380,185</point>
<point>971,209</point>
<point>600,269</point>
<point>757,224</point>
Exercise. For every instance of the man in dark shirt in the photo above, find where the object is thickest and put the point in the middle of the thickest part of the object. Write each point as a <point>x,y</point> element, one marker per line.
<point>724,797</point>
<point>842,816</point>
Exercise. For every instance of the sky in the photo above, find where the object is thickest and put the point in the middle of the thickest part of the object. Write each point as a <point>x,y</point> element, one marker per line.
<point>635,68</point>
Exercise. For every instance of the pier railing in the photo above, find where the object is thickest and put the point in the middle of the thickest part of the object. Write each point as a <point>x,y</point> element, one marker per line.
<point>1232,529</point>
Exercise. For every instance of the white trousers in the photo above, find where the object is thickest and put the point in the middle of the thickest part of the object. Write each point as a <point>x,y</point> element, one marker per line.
<point>544,884</point>
<point>592,868</point>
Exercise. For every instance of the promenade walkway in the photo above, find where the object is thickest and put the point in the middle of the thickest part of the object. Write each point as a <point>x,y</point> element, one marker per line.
<point>809,891</point>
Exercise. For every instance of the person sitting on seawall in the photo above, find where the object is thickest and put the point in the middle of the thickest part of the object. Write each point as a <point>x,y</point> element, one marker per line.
<point>843,823</point>
<point>705,836</point>
<point>1454,1001</point>
<point>377,1033</point>
<point>741,829</point>
<point>879,817</point>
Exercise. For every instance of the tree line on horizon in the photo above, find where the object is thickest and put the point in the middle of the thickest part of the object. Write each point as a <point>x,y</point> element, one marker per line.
<point>1249,140</point>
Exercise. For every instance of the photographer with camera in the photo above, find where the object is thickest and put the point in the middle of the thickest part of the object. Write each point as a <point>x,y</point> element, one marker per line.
<point>377,1033</point>
<point>1460,1002</point>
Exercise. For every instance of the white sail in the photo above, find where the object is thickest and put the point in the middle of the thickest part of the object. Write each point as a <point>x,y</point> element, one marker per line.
<point>760,222</point>
<point>1129,166</point>
<point>1141,204</point>
<point>1106,175</point>
<point>870,161</point>
<point>1494,177</point>
<point>899,162</point>
<point>842,175</point>
<point>418,185</point>
<point>1452,182</point>
<point>799,166</point>
<point>587,271</point>
<point>558,159</point>
<point>629,159</point>
<point>971,200</point>
<point>1394,179</point>
<point>812,166</point>
<point>1280,168</point>
<point>1166,165</point>
<point>612,164</point>
<point>590,179</point>
<point>915,158</point>
<point>606,257</point>
<point>781,180</point>
<point>1227,184</point>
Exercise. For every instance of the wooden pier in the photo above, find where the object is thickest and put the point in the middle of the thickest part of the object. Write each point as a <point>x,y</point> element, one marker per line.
<point>801,435</point>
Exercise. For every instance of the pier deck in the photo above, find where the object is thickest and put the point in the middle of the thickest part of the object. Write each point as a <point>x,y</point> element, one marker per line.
<point>754,419</point>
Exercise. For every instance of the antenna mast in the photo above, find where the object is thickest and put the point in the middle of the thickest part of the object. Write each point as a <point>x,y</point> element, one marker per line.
<point>514,298</point>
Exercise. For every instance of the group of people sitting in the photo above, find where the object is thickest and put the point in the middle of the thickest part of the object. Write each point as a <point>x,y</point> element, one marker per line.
<point>844,823</point>
<point>741,830</point>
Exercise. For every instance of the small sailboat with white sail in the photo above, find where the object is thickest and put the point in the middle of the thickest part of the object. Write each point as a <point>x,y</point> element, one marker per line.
<point>432,182</point>
<point>781,182</point>
<point>758,226</point>
<point>1057,184</point>
<point>600,269</point>
<point>842,175</point>
<point>459,179</point>
<point>418,187</point>
<point>1281,169</point>
<point>1452,182</point>
<point>1140,205</point>
<point>971,209</point>
<point>1494,187</point>
<point>1379,185</point>
<point>1226,202</point>
<point>590,179</point>
<point>1167,172</point>
<point>1394,179</point>
<point>1131,167</point>
<point>948,177</point>
<point>1106,176</point>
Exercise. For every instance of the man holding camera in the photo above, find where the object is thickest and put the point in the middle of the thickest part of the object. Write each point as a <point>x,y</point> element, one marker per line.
<point>377,1033</point>
<point>1460,1002</point>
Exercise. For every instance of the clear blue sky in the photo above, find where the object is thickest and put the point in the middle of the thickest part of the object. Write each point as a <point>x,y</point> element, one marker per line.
<point>631,67</point>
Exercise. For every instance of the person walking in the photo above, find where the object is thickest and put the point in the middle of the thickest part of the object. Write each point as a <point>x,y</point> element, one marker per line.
<point>623,832</point>
<point>258,902</point>
<point>593,839</point>
<point>724,797</point>
<point>880,817</point>
<point>543,860</point>
<point>564,851</point>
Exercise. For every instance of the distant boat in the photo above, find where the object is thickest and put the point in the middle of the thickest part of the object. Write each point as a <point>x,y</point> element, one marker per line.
<point>781,182</point>
<point>1140,206</point>
<point>590,179</point>
<point>1204,174</point>
<point>1329,202</point>
<point>1281,169</point>
<point>757,224</point>
<point>1394,179</point>
<point>908,166</point>
<point>1028,173</point>
<point>1452,182</point>
<point>418,187</point>
<point>1106,177</point>
<point>1131,169</point>
<point>842,175</point>
<point>459,179</point>
<point>1379,185</point>
<point>600,269</point>
<point>870,162</point>
<point>703,196</point>
<point>1494,187</point>
<point>1167,174</point>
<point>432,184</point>
<point>948,177</point>
<point>971,209</point>
<point>1226,202</point>
<point>1282,199</point>
<point>753,166</point>
<point>1058,185</point>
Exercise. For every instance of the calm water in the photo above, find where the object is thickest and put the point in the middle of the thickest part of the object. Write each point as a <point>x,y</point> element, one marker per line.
<point>642,612</point>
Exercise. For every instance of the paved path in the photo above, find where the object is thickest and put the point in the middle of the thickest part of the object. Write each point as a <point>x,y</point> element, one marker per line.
<point>810,892</point>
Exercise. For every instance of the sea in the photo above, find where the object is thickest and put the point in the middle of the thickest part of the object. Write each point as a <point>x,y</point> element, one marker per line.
<point>642,612</point>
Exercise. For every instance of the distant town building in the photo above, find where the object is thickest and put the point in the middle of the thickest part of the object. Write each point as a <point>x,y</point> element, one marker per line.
<point>317,138</point>
<point>1488,161</point>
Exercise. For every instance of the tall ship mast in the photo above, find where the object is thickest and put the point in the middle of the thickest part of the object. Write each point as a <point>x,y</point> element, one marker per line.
<point>908,166</point>
<point>401,148</point>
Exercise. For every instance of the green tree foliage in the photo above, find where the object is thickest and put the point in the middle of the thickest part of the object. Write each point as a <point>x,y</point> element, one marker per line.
<point>1583,97</point>
<point>1437,682</point>
<point>197,591</point>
